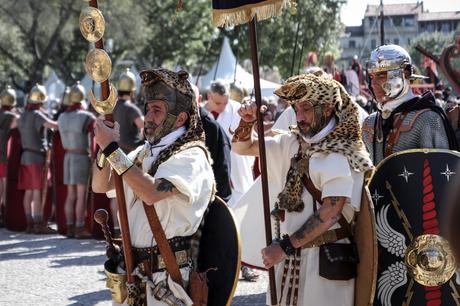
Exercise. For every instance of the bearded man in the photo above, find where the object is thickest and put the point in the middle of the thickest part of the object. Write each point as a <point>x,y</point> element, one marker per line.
<point>171,171</point>
<point>317,170</point>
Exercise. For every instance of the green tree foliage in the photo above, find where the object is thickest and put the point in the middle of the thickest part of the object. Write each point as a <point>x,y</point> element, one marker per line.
<point>39,34</point>
<point>36,35</point>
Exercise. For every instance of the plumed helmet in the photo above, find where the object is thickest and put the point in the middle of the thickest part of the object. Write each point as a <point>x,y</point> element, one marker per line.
<point>394,60</point>
<point>8,96</point>
<point>37,95</point>
<point>77,93</point>
<point>127,81</point>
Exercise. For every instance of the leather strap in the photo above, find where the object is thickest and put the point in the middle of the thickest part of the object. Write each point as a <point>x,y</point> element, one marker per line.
<point>163,245</point>
<point>394,134</point>
<point>316,194</point>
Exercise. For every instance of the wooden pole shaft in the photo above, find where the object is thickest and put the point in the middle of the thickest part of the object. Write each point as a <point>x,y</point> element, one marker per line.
<point>124,225</point>
<point>262,155</point>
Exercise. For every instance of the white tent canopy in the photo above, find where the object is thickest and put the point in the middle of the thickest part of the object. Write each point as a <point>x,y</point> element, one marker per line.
<point>54,87</point>
<point>225,67</point>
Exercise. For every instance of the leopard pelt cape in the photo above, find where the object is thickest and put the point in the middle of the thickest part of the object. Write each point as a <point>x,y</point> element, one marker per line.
<point>345,138</point>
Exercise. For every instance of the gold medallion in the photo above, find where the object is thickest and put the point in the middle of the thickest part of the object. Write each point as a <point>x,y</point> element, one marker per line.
<point>98,65</point>
<point>92,24</point>
<point>104,107</point>
<point>430,261</point>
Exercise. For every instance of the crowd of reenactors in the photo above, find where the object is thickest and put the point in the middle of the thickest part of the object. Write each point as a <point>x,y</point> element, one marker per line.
<point>45,159</point>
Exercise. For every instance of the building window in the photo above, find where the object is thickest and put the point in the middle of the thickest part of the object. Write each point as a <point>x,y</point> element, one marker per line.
<point>371,21</point>
<point>409,21</point>
<point>397,20</point>
<point>430,27</point>
<point>396,41</point>
<point>352,44</point>
<point>373,44</point>
<point>445,27</point>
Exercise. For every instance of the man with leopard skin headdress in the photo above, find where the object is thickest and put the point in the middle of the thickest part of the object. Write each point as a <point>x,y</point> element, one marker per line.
<point>325,149</point>
<point>403,121</point>
<point>170,171</point>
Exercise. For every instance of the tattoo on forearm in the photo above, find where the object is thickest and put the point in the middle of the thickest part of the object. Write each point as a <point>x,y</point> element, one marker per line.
<point>313,222</point>
<point>165,186</point>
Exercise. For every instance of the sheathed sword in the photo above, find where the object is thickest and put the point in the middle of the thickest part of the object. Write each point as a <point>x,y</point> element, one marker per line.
<point>99,67</point>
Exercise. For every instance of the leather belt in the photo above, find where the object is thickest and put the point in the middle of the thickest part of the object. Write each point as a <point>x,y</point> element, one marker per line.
<point>328,237</point>
<point>34,151</point>
<point>151,255</point>
<point>77,151</point>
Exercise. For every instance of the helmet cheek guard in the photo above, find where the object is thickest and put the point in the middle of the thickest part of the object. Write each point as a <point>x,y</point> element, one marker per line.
<point>396,62</point>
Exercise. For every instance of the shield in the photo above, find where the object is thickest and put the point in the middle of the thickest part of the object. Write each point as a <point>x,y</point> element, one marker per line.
<point>409,191</point>
<point>366,242</point>
<point>220,253</point>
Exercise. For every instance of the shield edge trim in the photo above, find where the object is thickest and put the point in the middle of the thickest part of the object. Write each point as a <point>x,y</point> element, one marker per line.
<point>426,151</point>
<point>238,266</point>
<point>366,194</point>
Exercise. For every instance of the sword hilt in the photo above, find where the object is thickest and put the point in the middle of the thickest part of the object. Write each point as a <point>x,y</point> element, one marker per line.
<point>101,216</point>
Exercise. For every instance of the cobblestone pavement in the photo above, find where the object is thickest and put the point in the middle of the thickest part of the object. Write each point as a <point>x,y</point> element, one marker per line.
<point>53,270</point>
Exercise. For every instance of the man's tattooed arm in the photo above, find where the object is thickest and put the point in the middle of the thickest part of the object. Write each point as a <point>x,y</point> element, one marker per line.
<point>165,186</point>
<point>318,223</point>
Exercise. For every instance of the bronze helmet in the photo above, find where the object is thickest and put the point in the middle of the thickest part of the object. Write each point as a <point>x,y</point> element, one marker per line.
<point>8,97</point>
<point>77,93</point>
<point>127,81</point>
<point>37,95</point>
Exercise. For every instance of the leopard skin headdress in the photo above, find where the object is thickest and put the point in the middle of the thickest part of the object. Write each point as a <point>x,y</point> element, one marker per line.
<point>174,86</point>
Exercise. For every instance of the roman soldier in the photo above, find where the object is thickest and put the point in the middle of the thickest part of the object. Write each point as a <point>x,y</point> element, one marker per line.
<point>75,124</point>
<point>33,174</point>
<point>8,121</point>
<point>403,121</point>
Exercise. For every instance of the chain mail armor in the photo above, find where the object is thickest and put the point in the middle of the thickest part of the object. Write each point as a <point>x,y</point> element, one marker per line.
<point>6,117</point>
<point>419,129</point>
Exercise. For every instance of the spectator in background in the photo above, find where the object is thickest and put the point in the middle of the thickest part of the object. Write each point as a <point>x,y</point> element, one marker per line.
<point>446,93</point>
<point>219,146</point>
<point>330,68</point>
<point>225,112</point>
<point>358,68</point>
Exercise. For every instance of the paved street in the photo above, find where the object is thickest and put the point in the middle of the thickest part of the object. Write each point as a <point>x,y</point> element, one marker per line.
<point>53,270</point>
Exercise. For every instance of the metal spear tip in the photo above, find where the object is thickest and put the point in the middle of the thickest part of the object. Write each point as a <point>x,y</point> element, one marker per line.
<point>101,216</point>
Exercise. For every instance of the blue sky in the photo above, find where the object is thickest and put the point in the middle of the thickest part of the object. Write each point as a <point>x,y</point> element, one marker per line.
<point>353,11</point>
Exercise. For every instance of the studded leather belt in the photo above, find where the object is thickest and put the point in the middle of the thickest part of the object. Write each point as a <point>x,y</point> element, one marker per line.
<point>149,259</point>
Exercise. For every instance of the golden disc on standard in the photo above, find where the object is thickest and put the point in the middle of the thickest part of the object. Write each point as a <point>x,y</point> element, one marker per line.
<point>92,24</point>
<point>98,65</point>
<point>106,106</point>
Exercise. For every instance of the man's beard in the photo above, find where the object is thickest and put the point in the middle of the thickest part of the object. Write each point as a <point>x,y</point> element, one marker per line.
<point>304,128</point>
<point>149,132</point>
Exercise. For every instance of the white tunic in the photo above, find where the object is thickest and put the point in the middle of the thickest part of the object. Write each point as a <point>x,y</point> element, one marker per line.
<point>332,175</point>
<point>180,215</point>
<point>241,166</point>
